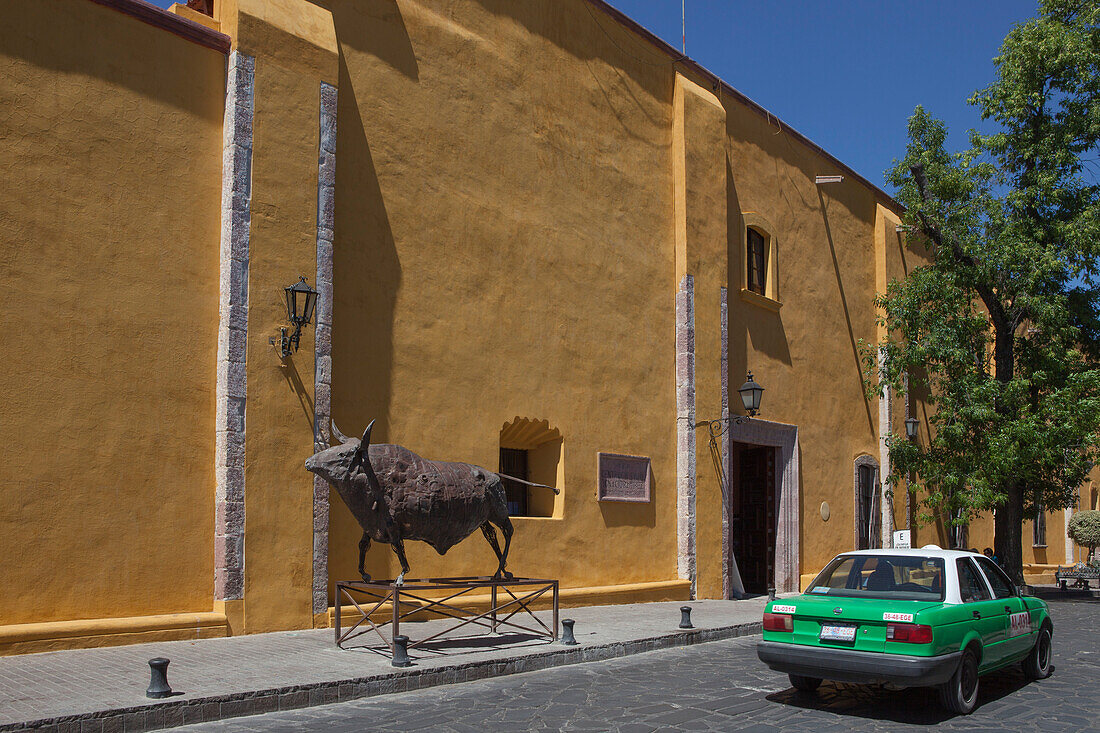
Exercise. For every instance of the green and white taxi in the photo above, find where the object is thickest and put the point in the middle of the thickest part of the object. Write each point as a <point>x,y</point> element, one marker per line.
<point>908,618</point>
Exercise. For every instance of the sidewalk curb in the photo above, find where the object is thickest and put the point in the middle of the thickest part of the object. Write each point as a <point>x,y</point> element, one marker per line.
<point>171,713</point>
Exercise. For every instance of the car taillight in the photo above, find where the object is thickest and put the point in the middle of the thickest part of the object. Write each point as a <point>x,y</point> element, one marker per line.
<point>909,633</point>
<point>778,622</point>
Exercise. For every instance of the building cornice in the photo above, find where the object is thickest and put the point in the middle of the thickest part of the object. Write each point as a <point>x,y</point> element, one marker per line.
<point>175,24</point>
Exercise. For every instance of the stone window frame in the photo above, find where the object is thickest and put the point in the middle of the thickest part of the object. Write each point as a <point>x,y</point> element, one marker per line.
<point>860,461</point>
<point>762,226</point>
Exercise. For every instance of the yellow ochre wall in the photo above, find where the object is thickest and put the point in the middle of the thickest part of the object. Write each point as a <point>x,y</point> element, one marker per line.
<point>509,241</point>
<point>804,350</point>
<point>504,248</point>
<point>109,220</point>
<point>520,189</point>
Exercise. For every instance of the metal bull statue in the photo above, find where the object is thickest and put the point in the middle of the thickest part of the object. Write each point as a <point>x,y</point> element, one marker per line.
<point>396,495</point>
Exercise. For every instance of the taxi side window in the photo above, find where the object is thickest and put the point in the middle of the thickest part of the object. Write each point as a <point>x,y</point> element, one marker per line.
<point>1002,588</point>
<point>971,587</point>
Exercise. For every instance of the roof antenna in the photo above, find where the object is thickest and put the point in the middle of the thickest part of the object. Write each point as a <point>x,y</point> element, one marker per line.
<point>683,28</point>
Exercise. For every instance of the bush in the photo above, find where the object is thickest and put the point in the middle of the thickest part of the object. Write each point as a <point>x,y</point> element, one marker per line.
<point>1084,529</point>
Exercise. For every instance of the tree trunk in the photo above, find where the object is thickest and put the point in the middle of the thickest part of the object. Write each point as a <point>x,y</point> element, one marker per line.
<point>1008,534</point>
<point>1009,520</point>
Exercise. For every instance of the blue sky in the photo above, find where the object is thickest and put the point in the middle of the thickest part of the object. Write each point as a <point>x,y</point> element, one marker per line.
<point>845,73</point>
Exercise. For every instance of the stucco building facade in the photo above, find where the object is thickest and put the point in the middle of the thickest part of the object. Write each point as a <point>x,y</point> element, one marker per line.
<point>538,234</point>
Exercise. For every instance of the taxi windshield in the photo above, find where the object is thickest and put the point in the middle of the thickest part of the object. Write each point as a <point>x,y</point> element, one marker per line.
<point>894,577</point>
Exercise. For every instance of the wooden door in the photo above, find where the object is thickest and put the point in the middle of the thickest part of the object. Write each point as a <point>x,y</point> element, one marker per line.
<point>753,526</point>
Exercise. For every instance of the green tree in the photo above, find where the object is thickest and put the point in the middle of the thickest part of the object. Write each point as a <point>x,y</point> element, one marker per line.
<point>1000,327</point>
<point>1084,529</point>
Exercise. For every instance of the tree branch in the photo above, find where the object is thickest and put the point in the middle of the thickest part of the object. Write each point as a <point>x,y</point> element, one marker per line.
<point>992,303</point>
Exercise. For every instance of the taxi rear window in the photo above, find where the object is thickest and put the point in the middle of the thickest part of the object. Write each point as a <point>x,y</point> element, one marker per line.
<point>895,577</point>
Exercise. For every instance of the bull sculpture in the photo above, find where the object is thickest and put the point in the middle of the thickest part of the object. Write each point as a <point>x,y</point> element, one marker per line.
<point>396,495</point>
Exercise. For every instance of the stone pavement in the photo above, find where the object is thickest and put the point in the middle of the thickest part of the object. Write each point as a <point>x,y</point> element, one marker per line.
<point>720,687</point>
<point>104,689</point>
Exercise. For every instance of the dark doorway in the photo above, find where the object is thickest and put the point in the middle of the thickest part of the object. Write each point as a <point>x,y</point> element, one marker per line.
<point>753,520</point>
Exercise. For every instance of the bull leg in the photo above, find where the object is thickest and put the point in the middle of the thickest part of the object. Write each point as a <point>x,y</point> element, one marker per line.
<point>505,525</point>
<point>363,545</point>
<point>399,550</point>
<point>491,536</point>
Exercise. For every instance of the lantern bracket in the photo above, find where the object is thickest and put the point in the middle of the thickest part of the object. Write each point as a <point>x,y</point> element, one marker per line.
<point>300,302</point>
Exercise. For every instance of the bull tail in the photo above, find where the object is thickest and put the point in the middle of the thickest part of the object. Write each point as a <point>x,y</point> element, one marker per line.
<point>529,483</point>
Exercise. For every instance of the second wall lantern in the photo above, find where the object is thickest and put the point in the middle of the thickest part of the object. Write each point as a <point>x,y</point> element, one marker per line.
<point>300,302</point>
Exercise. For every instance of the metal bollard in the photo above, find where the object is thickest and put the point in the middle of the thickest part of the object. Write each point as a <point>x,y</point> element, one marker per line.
<point>567,637</point>
<point>771,594</point>
<point>401,651</point>
<point>158,679</point>
<point>685,617</point>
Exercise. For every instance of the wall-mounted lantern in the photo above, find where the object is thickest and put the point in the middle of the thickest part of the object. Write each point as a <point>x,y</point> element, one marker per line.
<point>300,301</point>
<point>911,425</point>
<point>751,392</point>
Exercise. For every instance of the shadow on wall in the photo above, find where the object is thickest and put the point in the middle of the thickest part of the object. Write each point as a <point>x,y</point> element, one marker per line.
<point>366,279</point>
<point>847,311</point>
<point>632,514</point>
<point>586,32</point>
<point>765,327</point>
<point>373,27</point>
<point>294,380</point>
<point>148,60</point>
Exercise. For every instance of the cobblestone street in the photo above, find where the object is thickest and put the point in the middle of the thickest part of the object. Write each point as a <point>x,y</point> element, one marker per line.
<point>719,686</point>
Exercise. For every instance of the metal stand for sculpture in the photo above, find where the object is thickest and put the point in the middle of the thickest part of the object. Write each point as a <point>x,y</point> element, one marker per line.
<point>509,598</point>
<point>396,495</point>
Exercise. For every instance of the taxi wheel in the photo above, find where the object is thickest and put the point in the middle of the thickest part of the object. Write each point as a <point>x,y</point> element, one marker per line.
<point>1037,664</point>
<point>804,684</point>
<point>960,693</point>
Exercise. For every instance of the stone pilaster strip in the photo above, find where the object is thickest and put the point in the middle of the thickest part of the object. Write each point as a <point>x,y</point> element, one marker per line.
<point>685,431</point>
<point>1067,514</point>
<point>326,200</point>
<point>231,392</point>
<point>885,425</point>
<point>728,563</point>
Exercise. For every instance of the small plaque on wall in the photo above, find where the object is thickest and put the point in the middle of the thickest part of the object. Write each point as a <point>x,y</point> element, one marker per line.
<point>623,478</point>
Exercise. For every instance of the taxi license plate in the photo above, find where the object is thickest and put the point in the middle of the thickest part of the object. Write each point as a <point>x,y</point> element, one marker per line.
<point>832,632</point>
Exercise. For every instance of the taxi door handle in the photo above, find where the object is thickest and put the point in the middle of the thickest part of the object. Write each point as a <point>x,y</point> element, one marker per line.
<point>977,615</point>
<point>1008,609</point>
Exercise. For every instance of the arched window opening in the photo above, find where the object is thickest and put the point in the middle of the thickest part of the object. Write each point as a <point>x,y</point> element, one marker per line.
<point>760,262</point>
<point>868,512</point>
<point>531,450</point>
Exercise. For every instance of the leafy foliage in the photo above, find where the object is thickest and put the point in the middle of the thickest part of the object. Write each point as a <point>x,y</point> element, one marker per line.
<point>1000,329</point>
<point>1084,529</point>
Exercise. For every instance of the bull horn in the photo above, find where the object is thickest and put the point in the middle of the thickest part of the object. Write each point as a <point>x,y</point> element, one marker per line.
<point>365,442</point>
<point>336,431</point>
<point>362,457</point>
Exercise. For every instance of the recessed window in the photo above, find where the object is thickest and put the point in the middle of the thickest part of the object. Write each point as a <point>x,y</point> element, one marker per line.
<point>1039,528</point>
<point>759,266</point>
<point>757,258</point>
<point>531,450</point>
<point>868,515</point>
<point>513,462</point>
